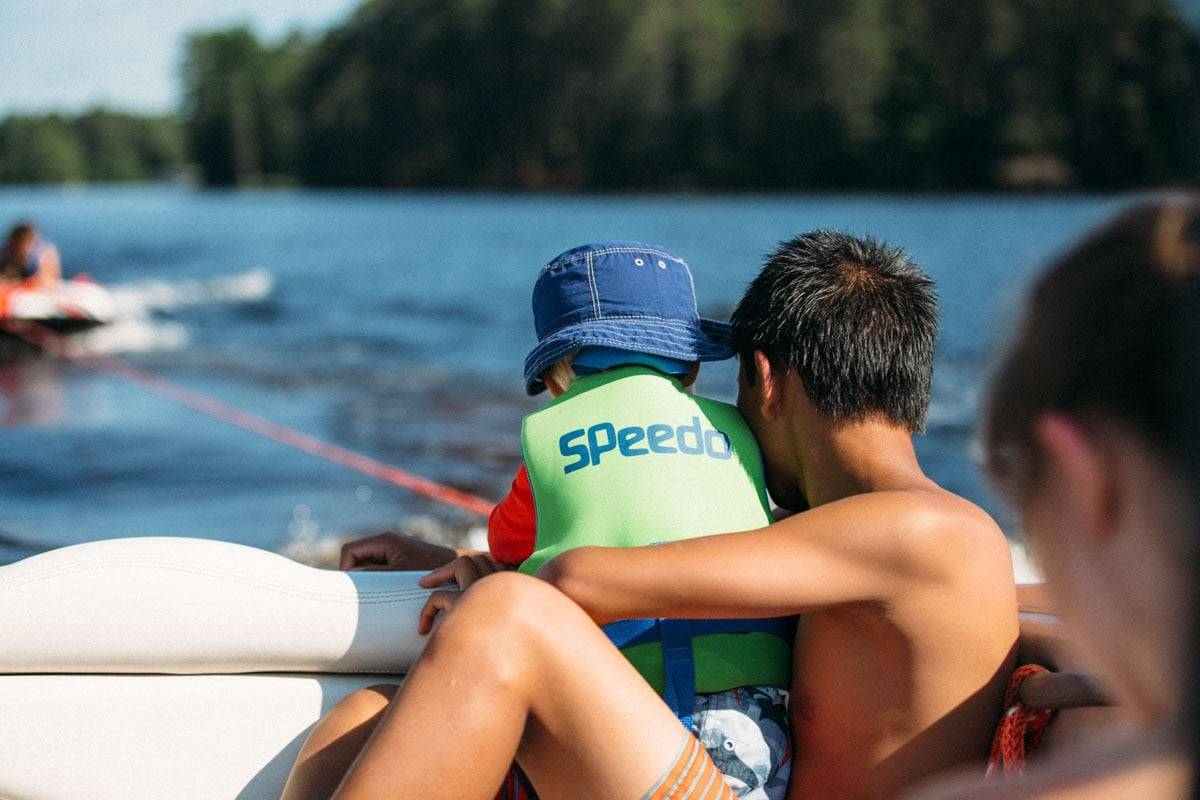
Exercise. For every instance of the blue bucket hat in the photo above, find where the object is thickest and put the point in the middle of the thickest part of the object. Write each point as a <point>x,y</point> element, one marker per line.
<point>622,295</point>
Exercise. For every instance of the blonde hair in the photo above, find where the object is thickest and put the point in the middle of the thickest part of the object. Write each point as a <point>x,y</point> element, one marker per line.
<point>561,372</point>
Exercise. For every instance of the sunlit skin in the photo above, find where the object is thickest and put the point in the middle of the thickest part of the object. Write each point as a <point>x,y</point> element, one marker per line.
<point>1107,520</point>
<point>908,593</point>
<point>909,637</point>
<point>496,682</point>
<point>899,676</point>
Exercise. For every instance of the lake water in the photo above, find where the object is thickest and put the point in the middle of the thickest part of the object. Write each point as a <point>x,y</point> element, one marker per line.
<point>396,325</point>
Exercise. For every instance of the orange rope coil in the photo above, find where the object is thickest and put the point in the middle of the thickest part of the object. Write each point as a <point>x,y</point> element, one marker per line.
<point>1021,729</point>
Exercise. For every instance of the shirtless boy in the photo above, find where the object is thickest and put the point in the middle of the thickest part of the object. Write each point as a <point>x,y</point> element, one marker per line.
<point>910,620</point>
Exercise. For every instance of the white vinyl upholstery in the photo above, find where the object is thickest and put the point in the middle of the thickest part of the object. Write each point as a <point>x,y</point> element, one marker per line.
<point>179,605</point>
<point>124,665</point>
<point>158,737</point>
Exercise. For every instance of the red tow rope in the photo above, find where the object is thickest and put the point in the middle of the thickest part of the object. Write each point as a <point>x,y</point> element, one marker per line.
<point>48,340</point>
<point>1021,730</point>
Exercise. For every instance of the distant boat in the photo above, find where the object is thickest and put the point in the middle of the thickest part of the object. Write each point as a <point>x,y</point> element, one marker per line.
<point>75,305</point>
<point>28,313</point>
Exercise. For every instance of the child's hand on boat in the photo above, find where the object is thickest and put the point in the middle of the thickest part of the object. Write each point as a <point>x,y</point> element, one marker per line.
<point>439,601</point>
<point>464,571</point>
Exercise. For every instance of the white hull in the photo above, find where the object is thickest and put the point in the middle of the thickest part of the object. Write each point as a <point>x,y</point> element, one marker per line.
<point>182,668</point>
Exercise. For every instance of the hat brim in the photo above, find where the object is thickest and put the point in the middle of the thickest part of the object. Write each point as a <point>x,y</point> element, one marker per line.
<point>710,340</point>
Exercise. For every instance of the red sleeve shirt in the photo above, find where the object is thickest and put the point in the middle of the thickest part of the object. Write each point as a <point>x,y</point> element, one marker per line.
<point>512,527</point>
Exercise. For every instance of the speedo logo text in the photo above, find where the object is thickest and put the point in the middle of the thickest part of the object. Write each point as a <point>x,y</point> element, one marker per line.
<point>584,447</point>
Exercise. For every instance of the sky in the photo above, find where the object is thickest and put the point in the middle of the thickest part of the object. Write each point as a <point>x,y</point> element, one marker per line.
<point>69,55</point>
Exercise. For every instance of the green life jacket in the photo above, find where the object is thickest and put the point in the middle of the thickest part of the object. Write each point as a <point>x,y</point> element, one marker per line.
<point>627,458</point>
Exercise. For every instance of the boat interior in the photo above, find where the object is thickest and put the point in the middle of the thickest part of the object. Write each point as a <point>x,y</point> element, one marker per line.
<point>187,668</point>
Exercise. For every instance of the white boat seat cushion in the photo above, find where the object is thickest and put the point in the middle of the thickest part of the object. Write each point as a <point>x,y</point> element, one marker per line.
<point>159,737</point>
<point>177,605</point>
<point>198,608</point>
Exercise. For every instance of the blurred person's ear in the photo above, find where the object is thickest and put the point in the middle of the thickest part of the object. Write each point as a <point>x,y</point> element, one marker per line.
<point>1078,480</point>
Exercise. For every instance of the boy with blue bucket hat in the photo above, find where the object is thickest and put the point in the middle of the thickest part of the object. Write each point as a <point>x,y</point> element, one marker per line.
<point>623,456</point>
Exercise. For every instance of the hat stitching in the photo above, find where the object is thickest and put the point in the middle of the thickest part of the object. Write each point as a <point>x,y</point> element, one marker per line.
<point>602,251</point>
<point>536,368</point>
<point>685,339</point>
<point>591,269</point>
<point>667,332</point>
<point>610,250</point>
<point>666,327</point>
<point>664,320</point>
<point>560,349</point>
<point>611,324</point>
<point>697,344</point>
<point>668,338</point>
<point>692,284</point>
<point>661,348</point>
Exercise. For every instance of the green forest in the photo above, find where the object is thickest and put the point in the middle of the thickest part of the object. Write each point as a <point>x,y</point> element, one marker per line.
<point>97,146</point>
<point>566,95</point>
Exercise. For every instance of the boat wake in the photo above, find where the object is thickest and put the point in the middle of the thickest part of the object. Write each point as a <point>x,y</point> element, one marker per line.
<point>144,297</point>
<point>136,328</point>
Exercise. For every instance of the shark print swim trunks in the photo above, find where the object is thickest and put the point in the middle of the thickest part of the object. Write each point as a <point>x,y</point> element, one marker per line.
<point>745,732</point>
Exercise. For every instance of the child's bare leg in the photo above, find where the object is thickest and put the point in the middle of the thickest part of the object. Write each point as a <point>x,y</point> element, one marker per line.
<point>336,741</point>
<point>516,666</point>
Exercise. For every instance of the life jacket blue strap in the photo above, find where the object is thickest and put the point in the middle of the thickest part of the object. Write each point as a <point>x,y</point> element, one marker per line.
<point>675,635</point>
<point>679,692</point>
<point>631,632</point>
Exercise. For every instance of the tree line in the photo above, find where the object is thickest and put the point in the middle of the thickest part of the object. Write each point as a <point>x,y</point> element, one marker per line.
<point>96,146</point>
<point>705,94</point>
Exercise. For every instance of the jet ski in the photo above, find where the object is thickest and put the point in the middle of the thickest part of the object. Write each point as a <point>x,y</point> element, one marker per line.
<point>75,305</point>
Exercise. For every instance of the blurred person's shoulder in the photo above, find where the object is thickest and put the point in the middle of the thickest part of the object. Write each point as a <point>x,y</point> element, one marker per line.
<point>1152,766</point>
